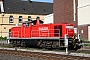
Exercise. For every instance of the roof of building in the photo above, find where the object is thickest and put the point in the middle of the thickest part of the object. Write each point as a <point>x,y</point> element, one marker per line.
<point>25,7</point>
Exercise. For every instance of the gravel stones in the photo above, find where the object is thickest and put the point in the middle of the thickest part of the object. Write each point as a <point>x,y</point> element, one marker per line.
<point>13,57</point>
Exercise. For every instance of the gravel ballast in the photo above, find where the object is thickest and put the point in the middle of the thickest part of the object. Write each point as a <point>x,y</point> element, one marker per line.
<point>13,57</point>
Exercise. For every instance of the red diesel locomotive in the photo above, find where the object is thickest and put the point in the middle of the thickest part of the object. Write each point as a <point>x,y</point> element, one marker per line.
<point>35,33</point>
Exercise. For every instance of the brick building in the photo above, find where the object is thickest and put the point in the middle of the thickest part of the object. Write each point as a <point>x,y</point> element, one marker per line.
<point>84,18</point>
<point>76,12</point>
<point>65,11</point>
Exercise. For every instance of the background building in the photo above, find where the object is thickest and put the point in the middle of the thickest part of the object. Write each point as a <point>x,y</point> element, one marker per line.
<point>13,12</point>
<point>76,12</point>
<point>65,11</point>
<point>84,18</point>
<point>49,19</point>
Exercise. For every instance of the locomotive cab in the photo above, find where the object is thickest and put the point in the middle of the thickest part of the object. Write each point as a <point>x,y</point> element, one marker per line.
<point>26,23</point>
<point>37,21</point>
<point>70,30</point>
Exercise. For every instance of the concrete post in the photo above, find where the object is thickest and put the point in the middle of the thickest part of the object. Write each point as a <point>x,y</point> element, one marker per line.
<point>66,42</point>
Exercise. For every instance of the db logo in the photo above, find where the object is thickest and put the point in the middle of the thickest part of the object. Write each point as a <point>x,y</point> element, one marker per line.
<point>43,28</point>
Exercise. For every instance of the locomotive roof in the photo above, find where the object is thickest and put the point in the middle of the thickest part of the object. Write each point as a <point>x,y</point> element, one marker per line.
<point>25,7</point>
<point>33,21</point>
<point>27,22</point>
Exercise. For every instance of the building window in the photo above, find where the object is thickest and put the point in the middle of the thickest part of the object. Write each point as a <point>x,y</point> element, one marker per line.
<point>11,19</point>
<point>82,31</point>
<point>1,7</point>
<point>20,19</point>
<point>29,18</point>
<point>4,27</point>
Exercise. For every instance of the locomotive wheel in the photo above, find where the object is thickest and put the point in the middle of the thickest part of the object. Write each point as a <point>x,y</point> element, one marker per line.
<point>11,42</point>
<point>18,43</point>
<point>39,43</point>
<point>48,44</point>
<point>43,44</point>
<point>22,43</point>
<point>54,45</point>
<point>14,44</point>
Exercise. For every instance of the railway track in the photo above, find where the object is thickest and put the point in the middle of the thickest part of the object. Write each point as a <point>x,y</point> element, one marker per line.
<point>44,56</point>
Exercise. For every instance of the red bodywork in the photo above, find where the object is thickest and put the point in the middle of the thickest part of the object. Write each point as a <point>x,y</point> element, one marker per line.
<point>42,30</point>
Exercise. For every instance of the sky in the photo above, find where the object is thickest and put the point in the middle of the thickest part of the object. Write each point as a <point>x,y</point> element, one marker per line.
<point>43,0</point>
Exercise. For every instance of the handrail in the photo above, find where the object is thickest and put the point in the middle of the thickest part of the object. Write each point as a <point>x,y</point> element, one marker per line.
<point>45,33</point>
<point>13,34</point>
<point>38,33</point>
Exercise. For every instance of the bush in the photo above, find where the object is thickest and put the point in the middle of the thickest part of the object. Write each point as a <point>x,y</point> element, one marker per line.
<point>3,38</point>
<point>85,41</point>
<point>86,44</point>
